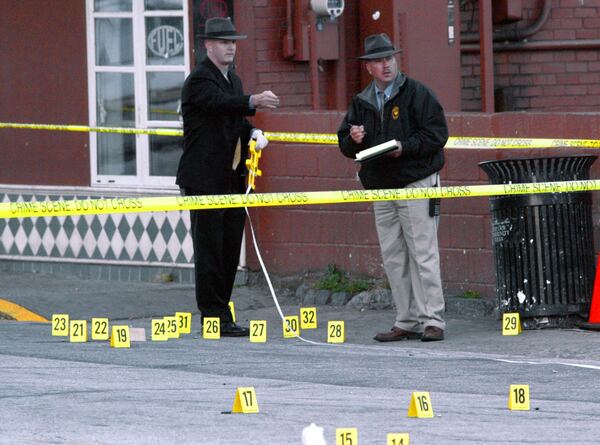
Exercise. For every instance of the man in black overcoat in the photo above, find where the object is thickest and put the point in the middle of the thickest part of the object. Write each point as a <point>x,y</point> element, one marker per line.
<point>216,135</point>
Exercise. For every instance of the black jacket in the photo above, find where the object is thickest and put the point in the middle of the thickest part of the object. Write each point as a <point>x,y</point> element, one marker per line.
<point>412,116</point>
<point>214,113</point>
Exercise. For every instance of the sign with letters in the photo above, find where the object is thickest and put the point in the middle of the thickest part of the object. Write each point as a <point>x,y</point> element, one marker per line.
<point>165,41</point>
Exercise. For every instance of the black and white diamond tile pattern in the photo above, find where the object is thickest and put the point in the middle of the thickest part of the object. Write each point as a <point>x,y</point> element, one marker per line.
<point>120,238</point>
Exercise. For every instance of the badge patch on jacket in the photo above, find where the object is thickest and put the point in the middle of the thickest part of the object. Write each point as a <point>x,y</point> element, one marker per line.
<point>395,112</point>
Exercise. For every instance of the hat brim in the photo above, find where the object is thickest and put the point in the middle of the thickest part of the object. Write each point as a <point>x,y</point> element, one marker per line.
<point>380,54</point>
<point>229,37</point>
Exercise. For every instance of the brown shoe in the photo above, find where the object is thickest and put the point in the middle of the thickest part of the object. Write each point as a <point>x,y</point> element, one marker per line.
<point>432,334</point>
<point>397,334</point>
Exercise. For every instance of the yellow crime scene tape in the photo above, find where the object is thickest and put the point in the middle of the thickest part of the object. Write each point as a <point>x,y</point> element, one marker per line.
<point>171,203</point>
<point>175,203</point>
<point>87,129</point>
<point>331,139</point>
<point>478,143</point>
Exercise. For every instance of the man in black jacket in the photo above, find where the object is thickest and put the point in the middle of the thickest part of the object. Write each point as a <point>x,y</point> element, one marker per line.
<point>396,107</point>
<point>216,134</point>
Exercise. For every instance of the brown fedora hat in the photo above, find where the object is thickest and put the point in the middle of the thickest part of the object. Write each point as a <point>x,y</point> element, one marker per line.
<point>220,28</point>
<point>378,46</point>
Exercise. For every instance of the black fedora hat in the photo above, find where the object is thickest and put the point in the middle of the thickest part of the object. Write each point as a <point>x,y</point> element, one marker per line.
<point>220,28</point>
<point>378,46</point>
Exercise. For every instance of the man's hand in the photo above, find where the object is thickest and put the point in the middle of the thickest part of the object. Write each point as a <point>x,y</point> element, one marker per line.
<point>397,152</point>
<point>266,99</point>
<point>261,140</point>
<point>357,133</point>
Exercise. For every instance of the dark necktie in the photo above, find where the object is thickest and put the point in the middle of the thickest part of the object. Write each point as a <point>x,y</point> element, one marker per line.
<point>381,106</point>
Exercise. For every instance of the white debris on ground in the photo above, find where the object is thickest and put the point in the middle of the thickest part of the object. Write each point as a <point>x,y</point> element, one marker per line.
<point>313,435</point>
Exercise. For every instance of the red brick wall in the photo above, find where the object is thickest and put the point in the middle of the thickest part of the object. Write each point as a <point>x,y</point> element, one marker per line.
<point>265,24</point>
<point>296,239</point>
<point>549,80</point>
<point>43,79</point>
<point>290,81</point>
<point>541,80</point>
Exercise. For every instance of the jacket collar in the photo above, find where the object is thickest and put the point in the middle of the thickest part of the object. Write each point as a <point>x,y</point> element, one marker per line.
<point>368,94</point>
<point>217,72</point>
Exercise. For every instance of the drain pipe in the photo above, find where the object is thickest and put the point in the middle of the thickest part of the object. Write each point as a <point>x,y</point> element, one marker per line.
<point>486,56</point>
<point>288,38</point>
<point>550,45</point>
<point>314,61</point>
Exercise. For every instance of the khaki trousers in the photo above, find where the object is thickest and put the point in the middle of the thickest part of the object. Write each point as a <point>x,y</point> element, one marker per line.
<point>409,248</point>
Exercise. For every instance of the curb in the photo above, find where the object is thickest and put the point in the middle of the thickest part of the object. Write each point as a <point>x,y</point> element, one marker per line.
<point>13,311</point>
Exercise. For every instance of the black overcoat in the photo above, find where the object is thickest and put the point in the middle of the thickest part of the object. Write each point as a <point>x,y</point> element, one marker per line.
<point>214,111</point>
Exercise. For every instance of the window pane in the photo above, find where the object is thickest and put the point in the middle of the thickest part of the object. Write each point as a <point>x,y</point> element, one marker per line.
<point>116,154</point>
<point>114,42</point>
<point>164,41</point>
<point>115,99</point>
<point>153,5</point>
<point>115,107</point>
<point>164,92</point>
<point>112,5</point>
<point>165,152</point>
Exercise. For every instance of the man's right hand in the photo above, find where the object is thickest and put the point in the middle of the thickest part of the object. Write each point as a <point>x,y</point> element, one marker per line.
<point>266,99</point>
<point>357,133</point>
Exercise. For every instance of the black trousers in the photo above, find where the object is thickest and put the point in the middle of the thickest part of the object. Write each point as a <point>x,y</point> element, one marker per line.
<point>217,238</point>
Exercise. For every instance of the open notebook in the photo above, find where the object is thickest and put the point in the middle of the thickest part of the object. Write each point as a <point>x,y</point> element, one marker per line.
<point>377,150</point>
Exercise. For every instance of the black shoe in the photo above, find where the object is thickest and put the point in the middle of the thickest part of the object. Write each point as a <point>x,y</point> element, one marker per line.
<point>230,329</point>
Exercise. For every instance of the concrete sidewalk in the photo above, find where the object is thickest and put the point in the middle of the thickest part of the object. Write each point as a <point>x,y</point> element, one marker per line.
<point>84,299</point>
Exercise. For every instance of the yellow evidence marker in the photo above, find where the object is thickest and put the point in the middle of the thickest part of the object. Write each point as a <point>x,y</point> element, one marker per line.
<point>78,331</point>
<point>398,439</point>
<point>290,326</point>
<point>336,332</point>
<point>420,405</point>
<point>100,329</point>
<point>308,318</point>
<point>211,328</point>
<point>159,330</point>
<point>258,331</point>
<point>171,328</point>
<point>60,325</point>
<point>232,310</point>
<point>245,400</point>
<point>346,436</point>
<point>511,323</point>
<point>518,398</point>
<point>119,337</point>
<point>184,322</point>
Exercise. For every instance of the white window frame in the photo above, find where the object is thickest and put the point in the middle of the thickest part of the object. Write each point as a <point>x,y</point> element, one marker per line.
<point>139,70</point>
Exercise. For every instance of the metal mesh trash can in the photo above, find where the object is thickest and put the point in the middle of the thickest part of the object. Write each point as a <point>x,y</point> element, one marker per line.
<point>543,243</point>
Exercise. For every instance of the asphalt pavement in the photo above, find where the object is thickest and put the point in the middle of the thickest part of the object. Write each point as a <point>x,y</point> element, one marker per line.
<point>182,391</point>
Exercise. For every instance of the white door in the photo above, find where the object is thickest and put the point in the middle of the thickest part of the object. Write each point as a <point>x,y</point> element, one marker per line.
<point>138,58</point>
